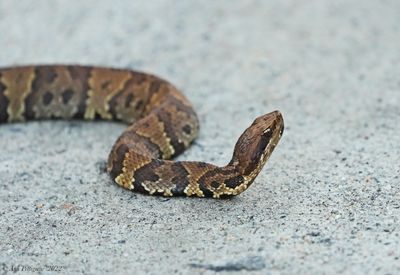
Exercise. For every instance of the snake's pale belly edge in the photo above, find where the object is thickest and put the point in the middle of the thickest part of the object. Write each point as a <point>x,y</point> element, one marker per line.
<point>162,125</point>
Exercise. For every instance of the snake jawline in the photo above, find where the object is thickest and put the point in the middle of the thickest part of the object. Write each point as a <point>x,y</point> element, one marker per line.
<point>162,125</point>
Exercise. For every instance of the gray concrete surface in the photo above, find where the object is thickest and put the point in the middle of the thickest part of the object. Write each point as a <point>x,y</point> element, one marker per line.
<point>328,200</point>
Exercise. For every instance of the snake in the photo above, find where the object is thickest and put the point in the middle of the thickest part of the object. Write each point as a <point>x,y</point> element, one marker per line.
<point>161,123</point>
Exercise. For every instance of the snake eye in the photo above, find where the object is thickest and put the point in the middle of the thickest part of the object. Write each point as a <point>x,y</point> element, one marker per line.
<point>266,136</point>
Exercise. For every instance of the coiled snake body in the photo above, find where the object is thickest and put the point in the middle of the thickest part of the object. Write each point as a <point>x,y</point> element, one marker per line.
<point>162,125</point>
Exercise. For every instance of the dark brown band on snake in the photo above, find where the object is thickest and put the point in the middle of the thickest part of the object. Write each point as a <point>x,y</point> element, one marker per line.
<point>162,125</point>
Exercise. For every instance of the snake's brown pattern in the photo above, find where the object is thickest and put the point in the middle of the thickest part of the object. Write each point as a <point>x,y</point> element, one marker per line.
<point>162,125</point>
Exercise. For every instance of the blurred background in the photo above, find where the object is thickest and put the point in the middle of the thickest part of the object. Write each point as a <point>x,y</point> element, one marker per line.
<point>327,201</point>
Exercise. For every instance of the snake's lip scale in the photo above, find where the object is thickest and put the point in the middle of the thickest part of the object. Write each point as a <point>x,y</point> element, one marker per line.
<point>162,123</point>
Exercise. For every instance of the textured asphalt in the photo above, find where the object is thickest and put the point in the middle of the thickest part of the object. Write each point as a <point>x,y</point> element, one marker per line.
<point>328,201</point>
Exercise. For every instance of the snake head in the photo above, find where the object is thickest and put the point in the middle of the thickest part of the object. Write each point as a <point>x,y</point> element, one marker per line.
<point>256,144</point>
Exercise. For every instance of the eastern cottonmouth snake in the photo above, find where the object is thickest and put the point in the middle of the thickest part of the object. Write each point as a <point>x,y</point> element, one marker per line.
<point>162,125</point>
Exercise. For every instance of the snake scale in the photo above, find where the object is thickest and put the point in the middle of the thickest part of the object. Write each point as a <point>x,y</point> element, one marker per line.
<point>162,125</point>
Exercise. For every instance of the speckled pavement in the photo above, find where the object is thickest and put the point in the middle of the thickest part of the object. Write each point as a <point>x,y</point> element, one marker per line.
<point>328,201</point>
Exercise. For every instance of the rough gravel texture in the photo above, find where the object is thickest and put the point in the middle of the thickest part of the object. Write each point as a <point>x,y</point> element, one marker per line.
<point>328,201</point>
